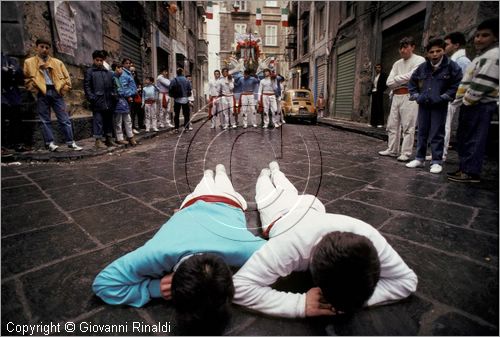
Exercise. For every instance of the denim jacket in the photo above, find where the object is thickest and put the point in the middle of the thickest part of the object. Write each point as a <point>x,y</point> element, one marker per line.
<point>438,87</point>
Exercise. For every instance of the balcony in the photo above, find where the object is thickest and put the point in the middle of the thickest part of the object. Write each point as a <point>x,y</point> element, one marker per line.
<point>202,51</point>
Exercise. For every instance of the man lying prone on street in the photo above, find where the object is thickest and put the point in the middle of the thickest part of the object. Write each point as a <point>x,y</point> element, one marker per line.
<point>188,259</point>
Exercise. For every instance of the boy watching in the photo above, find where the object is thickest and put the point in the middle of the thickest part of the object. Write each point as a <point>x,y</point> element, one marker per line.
<point>433,85</point>
<point>351,263</point>
<point>477,97</point>
<point>187,259</point>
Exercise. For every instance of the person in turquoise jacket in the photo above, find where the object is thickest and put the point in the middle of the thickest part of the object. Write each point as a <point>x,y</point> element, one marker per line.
<point>188,259</point>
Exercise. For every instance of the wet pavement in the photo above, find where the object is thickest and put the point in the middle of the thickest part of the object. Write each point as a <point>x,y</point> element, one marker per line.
<point>63,221</point>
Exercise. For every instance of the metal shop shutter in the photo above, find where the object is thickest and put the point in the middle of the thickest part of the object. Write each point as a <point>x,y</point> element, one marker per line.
<point>320,81</point>
<point>345,84</point>
<point>131,48</point>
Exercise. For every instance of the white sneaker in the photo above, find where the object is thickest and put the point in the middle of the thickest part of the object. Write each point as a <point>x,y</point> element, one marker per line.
<point>264,127</point>
<point>387,153</point>
<point>170,125</point>
<point>224,127</point>
<point>403,157</point>
<point>135,132</point>
<point>276,125</point>
<point>190,128</point>
<point>52,147</point>
<point>244,126</point>
<point>155,129</point>
<point>283,122</point>
<point>235,126</point>
<point>75,147</point>
<point>274,166</point>
<point>436,168</point>
<point>415,163</point>
<point>254,125</point>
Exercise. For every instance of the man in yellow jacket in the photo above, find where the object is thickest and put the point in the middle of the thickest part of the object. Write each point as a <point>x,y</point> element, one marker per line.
<point>48,78</point>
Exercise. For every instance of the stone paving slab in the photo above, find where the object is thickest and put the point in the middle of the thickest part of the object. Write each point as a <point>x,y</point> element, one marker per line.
<point>62,222</point>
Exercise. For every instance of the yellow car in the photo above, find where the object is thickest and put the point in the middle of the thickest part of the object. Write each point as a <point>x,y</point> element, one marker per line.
<point>299,104</point>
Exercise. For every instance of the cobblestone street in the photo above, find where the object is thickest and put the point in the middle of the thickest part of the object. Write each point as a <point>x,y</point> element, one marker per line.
<point>62,222</point>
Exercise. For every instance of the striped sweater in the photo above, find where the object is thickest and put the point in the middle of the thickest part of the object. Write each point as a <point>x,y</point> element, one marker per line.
<point>480,81</point>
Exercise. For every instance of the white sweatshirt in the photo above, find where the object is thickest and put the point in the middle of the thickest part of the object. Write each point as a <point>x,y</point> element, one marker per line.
<point>289,249</point>
<point>225,86</point>
<point>401,71</point>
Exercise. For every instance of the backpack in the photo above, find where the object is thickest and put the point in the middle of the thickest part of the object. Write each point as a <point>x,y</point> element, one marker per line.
<point>175,89</point>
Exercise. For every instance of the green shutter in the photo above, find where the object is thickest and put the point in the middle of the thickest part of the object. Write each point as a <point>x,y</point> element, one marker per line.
<point>346,66</point>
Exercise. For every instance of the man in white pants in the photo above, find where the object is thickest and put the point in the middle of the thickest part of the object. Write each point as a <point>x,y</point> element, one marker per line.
<point>164,116</point>
<point>267,95</point>
<point>455,49</point>
<point>300,232</point>
<point>247,102</point>
<point>213,102</point>
<point>226,101</point>
<point>403,114</point>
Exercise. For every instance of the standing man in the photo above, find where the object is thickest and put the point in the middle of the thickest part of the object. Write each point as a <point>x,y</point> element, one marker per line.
<point>226,87</point>
<point>213,103</point>
<point>455,49</point>
<point>267,97</point>
<point>163,83</point>
<point>246,101</point>
<point>403,115</point>
<point>477,97</point>
<point>129,84</point>
<point>99,90</point>
<point>48,78</point>
<point>378,87</point>
<point>180,90</point>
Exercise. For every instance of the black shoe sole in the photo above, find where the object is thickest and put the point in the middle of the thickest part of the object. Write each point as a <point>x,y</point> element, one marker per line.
<point>459,180</point>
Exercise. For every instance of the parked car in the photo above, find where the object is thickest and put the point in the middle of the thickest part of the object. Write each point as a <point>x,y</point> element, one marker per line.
<point>298,104</point>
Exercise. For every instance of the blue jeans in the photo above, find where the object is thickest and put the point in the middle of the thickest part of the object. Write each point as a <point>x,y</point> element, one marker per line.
<point>102,123</point>
<point>431,122</point>
<point>473,126</point>
<point>43,105</point>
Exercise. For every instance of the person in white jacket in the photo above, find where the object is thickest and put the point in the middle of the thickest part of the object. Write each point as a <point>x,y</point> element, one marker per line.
<point>351,262</point>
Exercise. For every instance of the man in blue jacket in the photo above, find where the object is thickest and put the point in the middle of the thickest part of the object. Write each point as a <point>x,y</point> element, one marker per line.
<point>180,89</point>
<point>433,85</point>
<point>187,260</point>
<point>100,92</point>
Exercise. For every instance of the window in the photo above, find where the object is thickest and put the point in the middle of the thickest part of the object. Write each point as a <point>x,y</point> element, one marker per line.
<point>271,3</point>
<point>305,35</point>
<point>239,28</point>
<point>241,6</point>
<point>321,22</point>
<point>349,9</point>
<point>271,35</point>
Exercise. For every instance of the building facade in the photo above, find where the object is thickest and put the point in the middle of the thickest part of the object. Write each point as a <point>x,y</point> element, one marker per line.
<point>333,46</point>
<point>153,34</point>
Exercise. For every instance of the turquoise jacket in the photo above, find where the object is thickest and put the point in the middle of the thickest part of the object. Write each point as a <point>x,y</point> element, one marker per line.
<point>202,227</point>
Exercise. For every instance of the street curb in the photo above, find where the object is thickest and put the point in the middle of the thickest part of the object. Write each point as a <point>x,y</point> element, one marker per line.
<point>355,127</point>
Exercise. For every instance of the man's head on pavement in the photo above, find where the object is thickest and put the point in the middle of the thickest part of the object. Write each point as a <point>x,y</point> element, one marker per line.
<point>435,50</point>
<point>202,293</point>
<point>42,48</point>
<point>99,57</point>
<point>486,35</point>
<point>454,41</point>
<point>346,268</point>
<point>406,47</point>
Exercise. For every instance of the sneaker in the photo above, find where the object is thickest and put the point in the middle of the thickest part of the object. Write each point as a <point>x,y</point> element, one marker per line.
<point>436,168</point>
<point>283,122</point>
<point>161,126</point>
<point>235,126</point>
<point>190,128</point>
<point>52,147</point>
<point>403,157</point>
<point>387,153</point>
<point>224,127</point>
<point>254,125</point>
<point>274,166</point>
<point>135,132</point>
<point>454,174</point>
<point>146,130</point>
<point>415,163</point>
<point>155,129</point>
<point>75,147</point>
<point>380,126</point>
<point>122,142</point>
<point>170,125</point>
<point>465,178</point>
<point>99,144</point>
<point>244,126</point>
<point>276,125</point>
<point>264,126</point>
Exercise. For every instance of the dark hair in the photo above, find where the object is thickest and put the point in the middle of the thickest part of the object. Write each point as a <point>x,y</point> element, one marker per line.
<point>163,69</point>
<point>405,41</point>
<point>202,292</point>
<point>225,69</point>
<point>188,75</point>
<point>44,41</point>
<point>180,71</point>
<point>150,79</point>
<point>456,37</point>
<point>491,24</point>
<point>435,43</point>
<point>217,71</point>
<point>115,65</point>
<point>125,59</point>
<point>346,268</point>
<point>98,53</point>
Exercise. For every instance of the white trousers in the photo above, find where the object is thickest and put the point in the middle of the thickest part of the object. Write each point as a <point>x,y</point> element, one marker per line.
<point>164,115</point>
<point>402,118</point>
<point>452,110</point>
<point>270,107</point>
<point>276,196</point>
<point>150,116</point>
<point>218,185</point>
<point>125,119</point>
<point>248,109</point>
<point>226,104</point>
<point>217,112</point>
